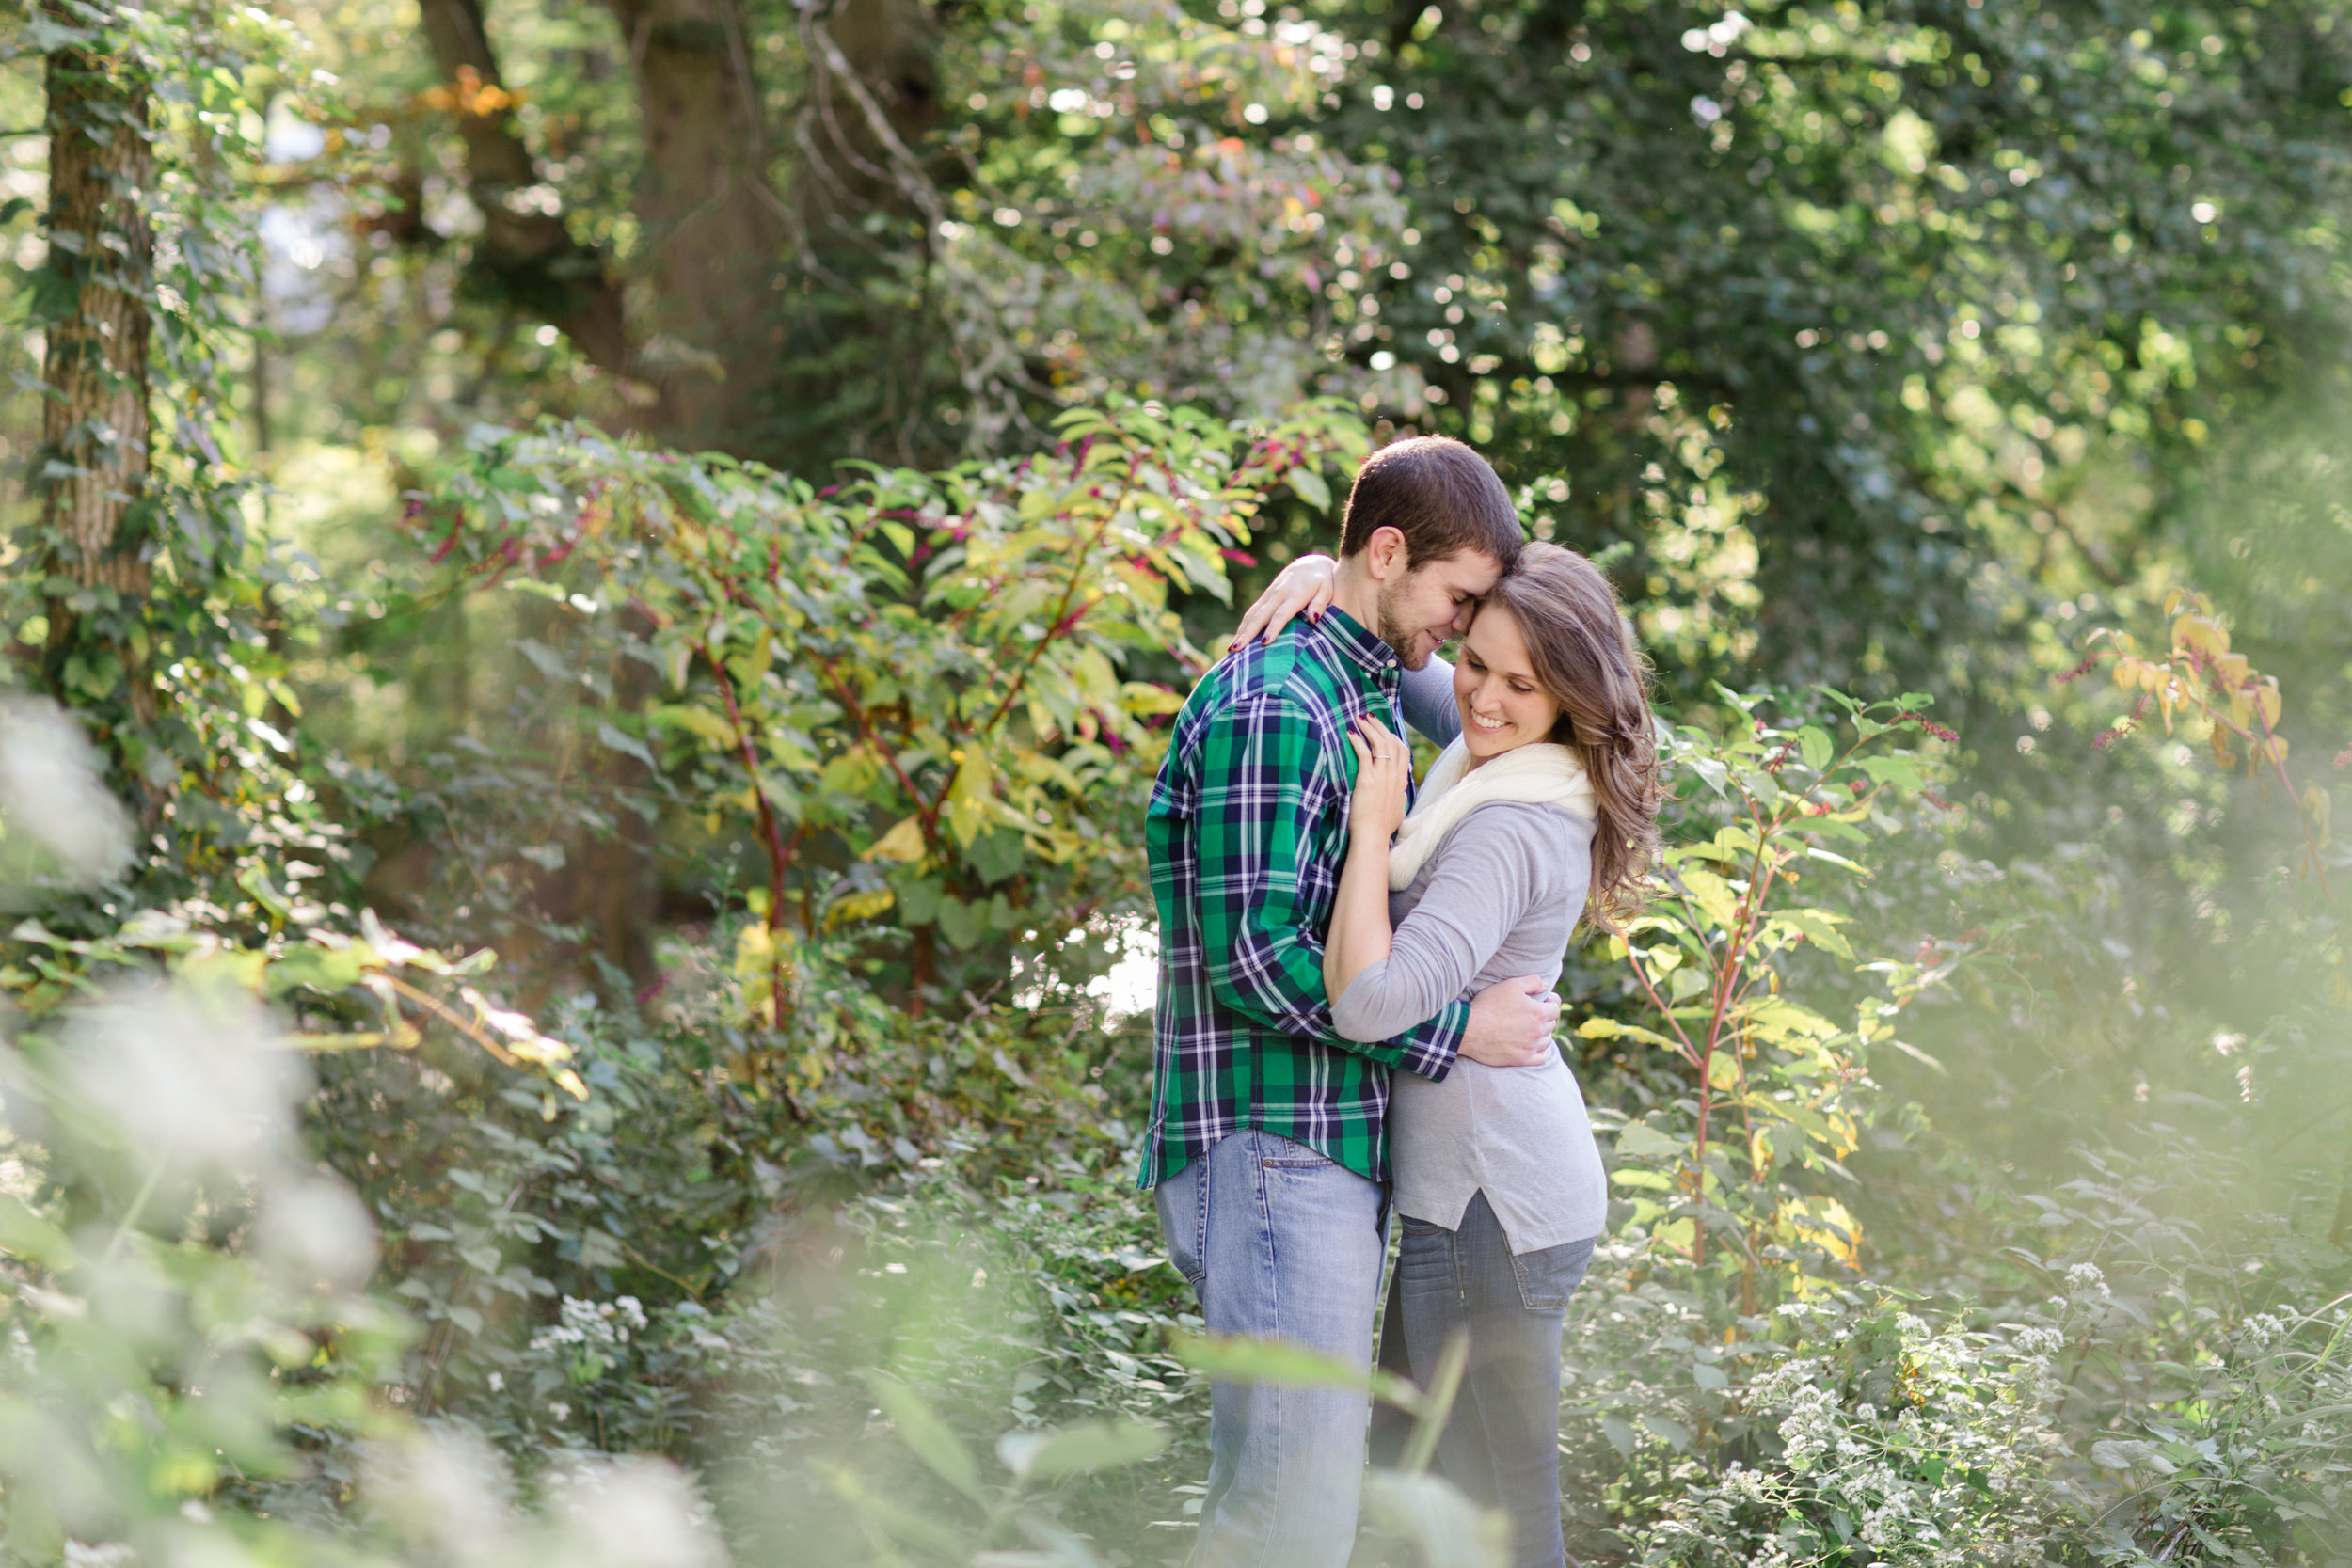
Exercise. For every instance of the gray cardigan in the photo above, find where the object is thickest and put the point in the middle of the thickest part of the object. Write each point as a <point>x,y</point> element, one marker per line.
<point>1500,898</point>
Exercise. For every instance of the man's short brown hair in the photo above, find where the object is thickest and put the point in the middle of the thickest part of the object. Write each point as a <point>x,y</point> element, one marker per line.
<point>1440,494</point>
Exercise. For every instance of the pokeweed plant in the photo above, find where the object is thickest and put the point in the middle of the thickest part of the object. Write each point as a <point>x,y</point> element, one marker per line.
<point>1775,1086</point>
<point>922,676</point>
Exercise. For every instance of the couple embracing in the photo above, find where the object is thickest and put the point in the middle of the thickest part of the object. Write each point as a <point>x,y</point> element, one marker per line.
<point>1355,1011</point>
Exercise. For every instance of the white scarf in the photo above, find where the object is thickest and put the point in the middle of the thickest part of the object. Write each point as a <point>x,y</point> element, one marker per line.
<point>1543,775</point>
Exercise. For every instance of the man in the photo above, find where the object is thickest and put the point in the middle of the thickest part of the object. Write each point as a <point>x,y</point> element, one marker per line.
<point>1268,1146</point>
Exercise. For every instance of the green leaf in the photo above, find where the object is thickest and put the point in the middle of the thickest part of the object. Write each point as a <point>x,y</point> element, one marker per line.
<point>1820,927</point>
<point>1814,852</point>
<point>1671,1432</point>
<point>997,855</point>
<point>1446,1528</point>
<point>1639,1140</point>
<point>931,1439</point>
<point>1815,746</point>
<point>1898,771</point>
<point>1080,1450</point>
<point>1238,1358</point>
<point>1309,487</point>
<point>628,744</point>
<point>1914,1052</point>
<point>1609,1029</point>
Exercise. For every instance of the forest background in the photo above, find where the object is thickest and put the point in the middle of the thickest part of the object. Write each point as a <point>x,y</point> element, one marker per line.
<point>592,593</point>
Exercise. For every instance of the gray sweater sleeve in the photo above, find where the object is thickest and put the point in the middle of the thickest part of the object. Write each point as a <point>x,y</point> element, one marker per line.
<point>1490,870</point>
<point>1427,696</point>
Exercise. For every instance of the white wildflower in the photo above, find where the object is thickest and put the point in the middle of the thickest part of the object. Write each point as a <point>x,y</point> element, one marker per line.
<point>2039,1342</point>
<point>2261,1328</point>
<point>591,1323</point>
<point>2084,1281</point>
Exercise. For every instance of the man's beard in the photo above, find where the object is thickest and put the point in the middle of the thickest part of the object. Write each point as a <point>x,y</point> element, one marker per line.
<point>1406,644</point>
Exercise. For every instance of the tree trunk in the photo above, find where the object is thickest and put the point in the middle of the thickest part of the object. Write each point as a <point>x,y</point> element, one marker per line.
<point>716,236</point>
<point>93,467</point>
<point>526,254</point>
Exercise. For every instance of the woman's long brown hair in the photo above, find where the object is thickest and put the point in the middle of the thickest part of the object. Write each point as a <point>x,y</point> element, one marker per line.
<point>1585,655</point>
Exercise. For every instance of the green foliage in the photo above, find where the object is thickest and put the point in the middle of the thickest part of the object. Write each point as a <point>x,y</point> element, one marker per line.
<point>1776,1089</point>
<point>153,1368</point>
<point>173,668</point>
<point>1880,345</point>
<point>908,686</point>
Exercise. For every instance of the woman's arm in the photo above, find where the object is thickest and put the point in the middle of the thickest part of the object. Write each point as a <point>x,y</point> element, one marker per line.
<point>1492,873</point>
<point>1304,588</point>
<point>1359,917</point>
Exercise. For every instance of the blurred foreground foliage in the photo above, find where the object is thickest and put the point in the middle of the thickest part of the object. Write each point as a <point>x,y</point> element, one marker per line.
<point>567,1000</point>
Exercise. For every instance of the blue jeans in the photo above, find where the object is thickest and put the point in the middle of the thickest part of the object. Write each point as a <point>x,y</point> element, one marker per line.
<point>1502,1444</point>
<point>1280,1244</point>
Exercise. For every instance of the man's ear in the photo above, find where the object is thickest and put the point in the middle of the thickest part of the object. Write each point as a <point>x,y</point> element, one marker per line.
<point>1386,557</point>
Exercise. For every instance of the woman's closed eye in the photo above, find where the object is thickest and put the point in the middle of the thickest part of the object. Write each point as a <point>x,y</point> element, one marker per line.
<point>1523,688</point>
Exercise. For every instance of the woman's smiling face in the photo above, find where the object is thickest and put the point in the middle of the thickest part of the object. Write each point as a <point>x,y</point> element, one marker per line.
<point>1504,707</point>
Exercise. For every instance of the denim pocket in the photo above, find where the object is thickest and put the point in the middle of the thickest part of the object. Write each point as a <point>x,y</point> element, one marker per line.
<point>1549,1278</point>
<point>1183,1201</point>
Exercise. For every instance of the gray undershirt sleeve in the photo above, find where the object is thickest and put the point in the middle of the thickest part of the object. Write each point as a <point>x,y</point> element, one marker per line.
<point>1489,874</point>
<point>1426,695</point>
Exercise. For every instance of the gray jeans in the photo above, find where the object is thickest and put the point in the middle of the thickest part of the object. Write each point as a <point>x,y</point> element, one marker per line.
<point>1502,1444</point>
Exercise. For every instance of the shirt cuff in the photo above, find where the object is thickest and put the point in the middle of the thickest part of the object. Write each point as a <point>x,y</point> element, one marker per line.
<point>1430,1050</point>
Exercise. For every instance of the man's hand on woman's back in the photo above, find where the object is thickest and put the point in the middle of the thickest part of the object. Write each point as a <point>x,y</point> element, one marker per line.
<point>1511,1023</point>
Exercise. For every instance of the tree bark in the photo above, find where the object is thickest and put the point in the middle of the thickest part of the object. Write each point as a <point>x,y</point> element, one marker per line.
<point>716,236</point>
<point>527,254</point>
<point>95,428</point>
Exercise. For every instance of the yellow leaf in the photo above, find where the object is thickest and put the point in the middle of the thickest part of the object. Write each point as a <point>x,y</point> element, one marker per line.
<point>1825,1223</point>
<point>1712,895</point>
<point>969,798</point>
<point>1139,697</point>
<point>2202,633</point>
<point>753,668</point>
<point>860,906</point>
<point>704,723</point>
<point>903,843</point>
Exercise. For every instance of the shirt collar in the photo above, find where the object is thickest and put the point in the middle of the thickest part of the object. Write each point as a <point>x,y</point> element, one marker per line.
<point>1344,633</point>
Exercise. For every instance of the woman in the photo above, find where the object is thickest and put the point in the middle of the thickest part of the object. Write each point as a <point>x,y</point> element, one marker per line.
<point>1539,813</point>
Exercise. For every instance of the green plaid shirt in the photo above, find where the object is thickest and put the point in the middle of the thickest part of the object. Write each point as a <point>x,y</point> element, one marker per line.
<point>1246,834</point>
